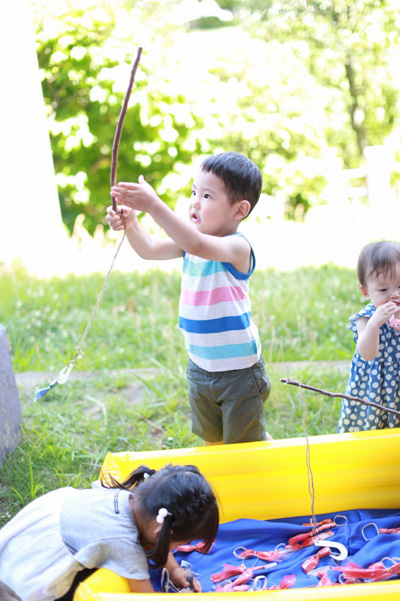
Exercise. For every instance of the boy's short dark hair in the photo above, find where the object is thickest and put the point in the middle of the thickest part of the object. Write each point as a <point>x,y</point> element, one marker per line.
<point>242,178</point>
<point>376,258</point>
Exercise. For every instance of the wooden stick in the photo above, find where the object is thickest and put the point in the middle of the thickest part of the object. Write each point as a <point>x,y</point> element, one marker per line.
<point>115,148</point>
<point>342,395</point>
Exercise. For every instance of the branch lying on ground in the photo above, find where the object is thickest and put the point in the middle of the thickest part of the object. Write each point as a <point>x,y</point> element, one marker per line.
<point>341,395</point>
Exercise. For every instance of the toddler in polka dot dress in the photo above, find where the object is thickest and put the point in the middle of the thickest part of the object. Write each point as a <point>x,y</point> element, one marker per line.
<point>375,368</point>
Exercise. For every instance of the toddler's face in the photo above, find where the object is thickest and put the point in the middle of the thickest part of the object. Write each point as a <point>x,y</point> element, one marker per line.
<point>383,288</point>
<point>210,210</point>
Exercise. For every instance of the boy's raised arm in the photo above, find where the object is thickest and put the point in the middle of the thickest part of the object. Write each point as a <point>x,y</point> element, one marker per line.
<point>141,196</point>
<point>146,246</point>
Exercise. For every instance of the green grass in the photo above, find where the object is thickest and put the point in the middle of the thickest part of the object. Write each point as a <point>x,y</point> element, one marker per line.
<point>302,315</point>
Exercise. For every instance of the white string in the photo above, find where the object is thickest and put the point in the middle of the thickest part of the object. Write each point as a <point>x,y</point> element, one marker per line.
<point>79,350</point>
<point>308,460</point>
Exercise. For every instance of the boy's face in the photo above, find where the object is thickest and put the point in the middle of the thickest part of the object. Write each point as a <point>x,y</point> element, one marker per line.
<point>210,209</point>
<point>383,288</point>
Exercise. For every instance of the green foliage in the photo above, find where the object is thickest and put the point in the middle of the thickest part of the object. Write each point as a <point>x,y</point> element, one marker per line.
<point>344,57</point>
<point>350,48</point>
<point>300,83</point>
<point>277,117</point>
<point>84,105</point>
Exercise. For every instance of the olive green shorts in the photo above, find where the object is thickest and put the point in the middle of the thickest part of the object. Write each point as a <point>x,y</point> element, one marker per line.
<point>228,406</point>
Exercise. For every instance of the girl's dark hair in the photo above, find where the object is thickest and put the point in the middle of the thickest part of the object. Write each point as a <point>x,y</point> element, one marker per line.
<point>242,178</point>
<point>376,258</point>
<point>184,492</point>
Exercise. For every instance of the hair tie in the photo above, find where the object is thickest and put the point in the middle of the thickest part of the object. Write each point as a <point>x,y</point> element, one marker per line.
<point>162,513</point>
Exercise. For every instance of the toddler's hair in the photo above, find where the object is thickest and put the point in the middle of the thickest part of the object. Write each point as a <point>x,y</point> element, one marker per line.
<point>184,492</point>
<point>377,258</point>
<point>242,178</point>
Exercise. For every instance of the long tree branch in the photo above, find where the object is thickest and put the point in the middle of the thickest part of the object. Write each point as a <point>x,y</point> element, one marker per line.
<point>115,148</point>
<point>342,395</point>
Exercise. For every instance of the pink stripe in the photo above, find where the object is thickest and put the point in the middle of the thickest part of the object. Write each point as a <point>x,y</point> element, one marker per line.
<point>212,297</point>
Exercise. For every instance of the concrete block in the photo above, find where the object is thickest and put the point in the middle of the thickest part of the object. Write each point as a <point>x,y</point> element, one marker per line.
<point>10,406</point>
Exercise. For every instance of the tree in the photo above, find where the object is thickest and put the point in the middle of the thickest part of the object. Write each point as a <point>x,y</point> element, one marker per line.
<point>273,111</point>
<point>80,63</point>
<point>350,47</point>
<point>296,81</point>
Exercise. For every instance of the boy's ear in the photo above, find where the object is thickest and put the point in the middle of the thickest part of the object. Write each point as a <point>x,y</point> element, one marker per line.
<point>364,291</point>
<point>242,210</point>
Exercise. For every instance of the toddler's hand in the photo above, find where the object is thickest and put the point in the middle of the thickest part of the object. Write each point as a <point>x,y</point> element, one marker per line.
<point>122,219</point>
<point>138,196</point>
<point>383,313</point>
<point>179,578</point>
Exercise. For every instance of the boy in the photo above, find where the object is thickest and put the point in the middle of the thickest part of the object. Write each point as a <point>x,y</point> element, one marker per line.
<point>228,383</point>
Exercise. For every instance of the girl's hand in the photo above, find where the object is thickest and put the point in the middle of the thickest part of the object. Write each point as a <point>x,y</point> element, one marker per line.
<point>383,313</point>
<point>138,196</point>
<point>122,219</point>
<point>178,575</point>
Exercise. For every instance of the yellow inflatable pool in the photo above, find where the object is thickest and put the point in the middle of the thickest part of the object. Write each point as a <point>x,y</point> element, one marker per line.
<point>268,480</point>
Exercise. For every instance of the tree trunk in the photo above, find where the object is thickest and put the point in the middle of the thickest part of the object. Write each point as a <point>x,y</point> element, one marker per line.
<point>361,135</point>
<point>31,227</point>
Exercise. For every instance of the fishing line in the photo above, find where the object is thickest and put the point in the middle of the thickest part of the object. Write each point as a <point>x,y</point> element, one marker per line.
<point>295,382</point>
<point>310,476</point>
<point>66,371</point>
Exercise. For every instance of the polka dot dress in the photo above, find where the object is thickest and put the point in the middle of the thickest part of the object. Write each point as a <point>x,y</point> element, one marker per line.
<point>377,380</point>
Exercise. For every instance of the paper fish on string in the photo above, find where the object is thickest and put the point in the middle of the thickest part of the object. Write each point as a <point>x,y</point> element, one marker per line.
<point>61,379</point>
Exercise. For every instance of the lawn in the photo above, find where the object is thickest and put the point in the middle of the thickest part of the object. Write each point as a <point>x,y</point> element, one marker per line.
<point>302,316</point>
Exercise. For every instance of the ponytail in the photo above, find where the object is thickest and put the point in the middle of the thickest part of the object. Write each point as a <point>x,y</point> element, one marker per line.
<point>177,497</point>
<point>190,504</point>
<point>135,478</point>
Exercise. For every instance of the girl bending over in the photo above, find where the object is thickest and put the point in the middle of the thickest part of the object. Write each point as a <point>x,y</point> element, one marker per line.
<point>125,527</point>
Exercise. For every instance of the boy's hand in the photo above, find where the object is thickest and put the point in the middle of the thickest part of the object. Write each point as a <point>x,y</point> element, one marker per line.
<point>138,196</point>
<point>122,219</point>
<point>383,313</point>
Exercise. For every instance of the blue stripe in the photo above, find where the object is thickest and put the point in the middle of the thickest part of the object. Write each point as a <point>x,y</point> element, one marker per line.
<point>237,274</point>
<point>225,351</point>
<point>202,269</point>
<point>213,326</point>
<point>240,276</point>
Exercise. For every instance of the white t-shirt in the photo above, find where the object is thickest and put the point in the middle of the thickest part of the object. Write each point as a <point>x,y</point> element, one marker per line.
<point>98,528</point>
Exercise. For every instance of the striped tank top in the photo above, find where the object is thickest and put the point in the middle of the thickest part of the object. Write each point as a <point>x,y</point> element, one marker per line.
<point>215,315</point>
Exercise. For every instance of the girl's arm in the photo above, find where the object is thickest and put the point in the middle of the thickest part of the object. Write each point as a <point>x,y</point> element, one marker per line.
<point>178,575</point>
<point>141,196</point>
<point>140,585</point>
<point>368,338</point>
<point>147,247</point>
<point>368,329</point>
